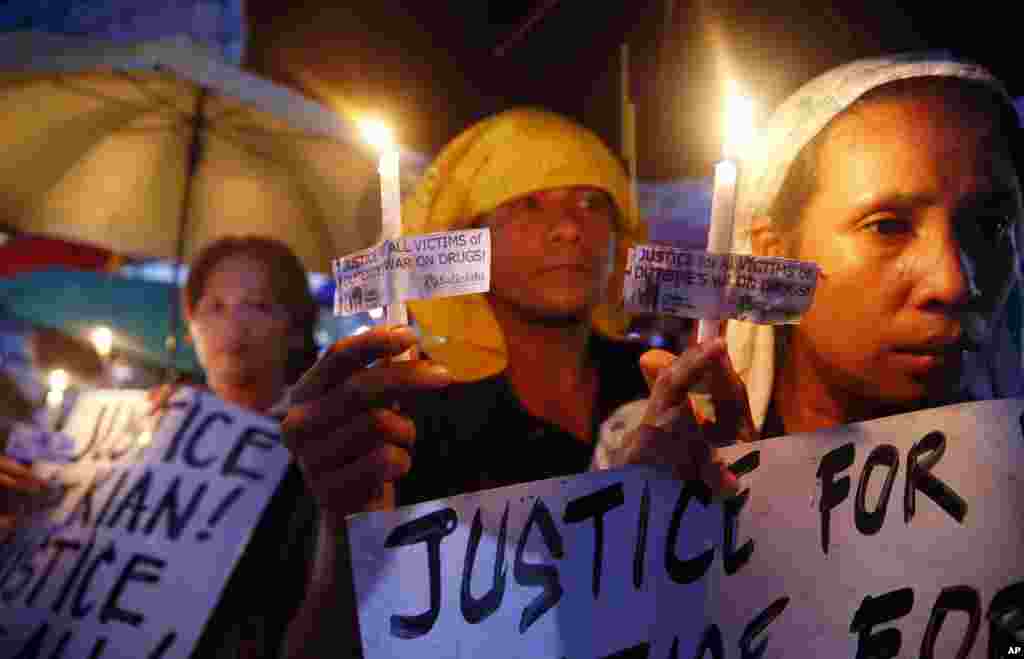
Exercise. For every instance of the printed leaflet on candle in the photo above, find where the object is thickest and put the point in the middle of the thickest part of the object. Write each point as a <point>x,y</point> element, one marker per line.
<point>413,268</point>
<point>696,284</point>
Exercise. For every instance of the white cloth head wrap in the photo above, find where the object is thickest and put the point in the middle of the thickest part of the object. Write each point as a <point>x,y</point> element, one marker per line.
<point>996,370</point>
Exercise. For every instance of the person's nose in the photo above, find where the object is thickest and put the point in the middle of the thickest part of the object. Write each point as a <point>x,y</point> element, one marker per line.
<point>566,228</point>
<point>235,321</point>
<point>949,274</point>
<point>566,219</point>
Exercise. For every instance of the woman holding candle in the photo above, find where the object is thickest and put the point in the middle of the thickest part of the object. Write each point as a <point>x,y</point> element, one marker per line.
<point>899,178</point>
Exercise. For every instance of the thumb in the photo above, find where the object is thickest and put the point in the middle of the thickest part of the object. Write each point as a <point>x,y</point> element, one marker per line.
<point>653,362</point>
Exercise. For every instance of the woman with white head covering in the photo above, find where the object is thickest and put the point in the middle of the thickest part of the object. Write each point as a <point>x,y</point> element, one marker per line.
<point>898,177</point>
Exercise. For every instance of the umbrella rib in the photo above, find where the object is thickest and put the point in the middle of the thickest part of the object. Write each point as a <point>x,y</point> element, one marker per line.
<point>215,124</point>
<point>159,100</point>
<point>84,90</point>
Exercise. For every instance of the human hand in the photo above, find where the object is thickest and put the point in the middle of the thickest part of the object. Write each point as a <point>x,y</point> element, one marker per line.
<point>671,434</point>
<point>343,426</point>
<point>160,396</point>
<point>16,481</point>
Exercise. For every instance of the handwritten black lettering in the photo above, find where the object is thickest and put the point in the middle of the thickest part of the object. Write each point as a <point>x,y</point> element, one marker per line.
<point>83,507</point>
<point>874,611</point>
<point>954,598</point>
<point>134,501</point>
<point>62,644</point>
<point>641,651</point>
<point>112,610</point>
<point>545,576</point>
<point>65,591</point>
<point>168,506</point>
<point>475,610</point>
<point>1006,620</point>
<point>640,552</point>
<point>431,529</point>
<point>115,492</point>
<point>687,570</point>
<point>833,492</point>
<point>757,626</point>
<point>256,438</point>
<point>23,565</point>
<point>129,434</point>
<point>190,457</point>
<point>869,523</point>
<point>732,558</point>
<point>98,648</point>
<point>193,412</point>
<point>59,545</point>
<point>78,608</point>
<point>33,647</point>
<point>218,514</point>
<point>165,644</point>
<point>595,505</point>
<point>919,477</point>
<point>711,640</point>
<point>94,436</point>
<point>746,464</point>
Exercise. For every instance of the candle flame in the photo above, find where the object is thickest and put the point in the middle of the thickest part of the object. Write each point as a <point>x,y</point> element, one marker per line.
<point>739,122</point>
<point>103,340</point>
<point>59,380</point>
<point>378,134</point>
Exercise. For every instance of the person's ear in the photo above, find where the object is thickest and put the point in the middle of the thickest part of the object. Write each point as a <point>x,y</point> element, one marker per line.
<point>764,238</point>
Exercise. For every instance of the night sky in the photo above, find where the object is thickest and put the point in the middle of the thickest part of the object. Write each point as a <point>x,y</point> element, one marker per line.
<point>433,66</point>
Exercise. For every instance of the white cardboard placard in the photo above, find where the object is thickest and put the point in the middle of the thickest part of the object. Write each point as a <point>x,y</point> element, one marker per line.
<point>127,556</point>
<point>664,596</point>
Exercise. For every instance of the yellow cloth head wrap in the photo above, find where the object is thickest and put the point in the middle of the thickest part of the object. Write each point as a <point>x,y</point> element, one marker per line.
<point>494,161</point>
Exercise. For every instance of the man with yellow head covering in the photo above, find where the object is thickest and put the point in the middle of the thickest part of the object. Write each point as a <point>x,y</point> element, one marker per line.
<point>535,361</point>
<point>516,383</point>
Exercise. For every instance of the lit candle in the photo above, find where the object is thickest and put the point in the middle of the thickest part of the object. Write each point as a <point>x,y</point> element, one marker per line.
<point>103,340</point>
<point>380,137</point>
<point>739,125</point>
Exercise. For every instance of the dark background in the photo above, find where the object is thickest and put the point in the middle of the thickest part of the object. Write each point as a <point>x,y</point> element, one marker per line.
<point>432,67</point>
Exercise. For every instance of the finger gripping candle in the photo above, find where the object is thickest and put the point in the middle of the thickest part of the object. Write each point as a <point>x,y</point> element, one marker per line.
<point>739,125</point>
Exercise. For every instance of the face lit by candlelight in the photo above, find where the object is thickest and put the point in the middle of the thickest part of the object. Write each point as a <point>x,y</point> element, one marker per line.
<point>911,218</point>
<point>241,332</point>
<point>552,252</point>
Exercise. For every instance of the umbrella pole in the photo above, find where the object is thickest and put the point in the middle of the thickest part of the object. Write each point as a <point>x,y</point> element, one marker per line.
<point>195,153</point>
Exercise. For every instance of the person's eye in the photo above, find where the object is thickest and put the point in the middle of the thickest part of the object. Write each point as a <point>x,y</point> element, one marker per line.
<point>209,306</point>
<point>597,202</point>
<point>264,308</point>
<point>530,203</point>
<point>889,227</point>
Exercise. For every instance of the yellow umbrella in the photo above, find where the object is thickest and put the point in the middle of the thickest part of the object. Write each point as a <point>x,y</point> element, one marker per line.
<point>157,148</point>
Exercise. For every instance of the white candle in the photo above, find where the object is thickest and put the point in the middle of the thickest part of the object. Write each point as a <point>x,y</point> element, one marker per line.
<point>391,218</point>
<point>739,125</point>
<point>723,206</point>
<point>380,137</point>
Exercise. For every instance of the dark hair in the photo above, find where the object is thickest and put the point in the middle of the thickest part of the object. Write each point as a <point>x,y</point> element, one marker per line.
<point>801,180</point>
<point>289,285</point>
